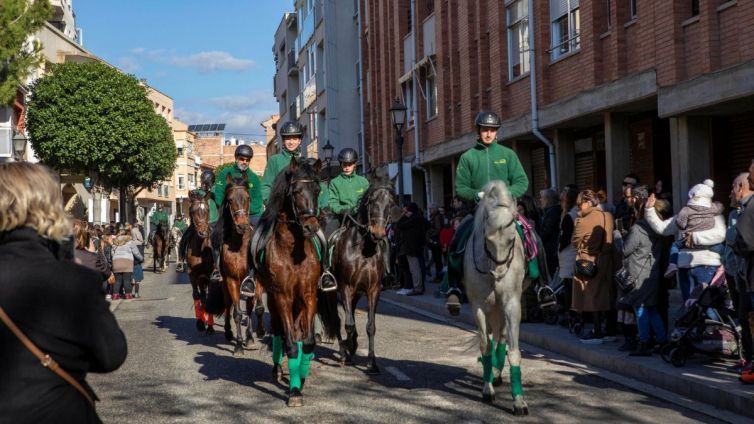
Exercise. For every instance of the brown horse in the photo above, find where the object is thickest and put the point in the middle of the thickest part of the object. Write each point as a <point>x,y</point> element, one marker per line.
<point>199,259</point>
<point>234,227</point>
<point>359,263</point>
<point>292,269</point>
<point>160,248</point>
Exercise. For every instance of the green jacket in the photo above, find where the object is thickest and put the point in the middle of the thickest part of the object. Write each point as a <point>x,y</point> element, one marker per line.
<point>345,192</point>
<point>324,196</point>
<point>158,217</point>
<point>275,164</point>
<point>180,225</point>
<point>255,205</point>
<point>485,163</point>
<point>213,215</point>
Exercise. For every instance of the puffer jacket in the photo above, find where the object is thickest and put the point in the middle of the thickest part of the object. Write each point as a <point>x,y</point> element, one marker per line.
<point>124,252</point>
<point>691,258</point>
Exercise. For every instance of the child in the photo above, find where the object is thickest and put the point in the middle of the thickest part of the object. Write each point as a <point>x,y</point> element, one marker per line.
<point>698,215</point>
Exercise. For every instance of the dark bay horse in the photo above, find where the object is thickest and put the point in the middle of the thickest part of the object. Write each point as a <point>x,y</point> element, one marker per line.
<point>358,262</point>
<point>199,259</point>
<point>160,247</point>
<point>291,271</point>
<point>234,228</point>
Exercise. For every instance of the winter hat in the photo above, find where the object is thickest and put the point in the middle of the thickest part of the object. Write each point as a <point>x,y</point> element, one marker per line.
<point>701,194</point>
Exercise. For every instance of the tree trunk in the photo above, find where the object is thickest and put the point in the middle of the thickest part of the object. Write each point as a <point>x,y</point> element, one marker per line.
<point>123,203</point>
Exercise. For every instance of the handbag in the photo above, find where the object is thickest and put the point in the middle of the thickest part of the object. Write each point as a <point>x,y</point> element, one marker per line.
<point>45,359</point>
<point>625,281</point>
<point>586,267</point>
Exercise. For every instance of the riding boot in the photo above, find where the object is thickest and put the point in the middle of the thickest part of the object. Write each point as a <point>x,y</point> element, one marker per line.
<point>327,279</point>
<point>453,301</point>
<point>248,285</point>
<point>216,277</point>
<point>388,280</point>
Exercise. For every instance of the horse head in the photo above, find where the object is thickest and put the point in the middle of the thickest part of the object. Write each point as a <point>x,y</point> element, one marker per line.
<point>199,213</point>
<point>498,212</point>
<point>237,201</point>
<point>303,192</point>
<point>375,206</point>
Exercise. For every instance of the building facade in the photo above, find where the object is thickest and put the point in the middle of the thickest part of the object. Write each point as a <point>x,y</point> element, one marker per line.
<point>187,167</point>
<point>661,89</point>
<point>317,80</point>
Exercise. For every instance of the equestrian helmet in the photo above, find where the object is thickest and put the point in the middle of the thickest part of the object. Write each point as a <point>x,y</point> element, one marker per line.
<point>245,151</point>
<point>160,206</point>
<point>348,155</point>
<point>291,128</point>
<point>207,178</point>
<point>487,119</point>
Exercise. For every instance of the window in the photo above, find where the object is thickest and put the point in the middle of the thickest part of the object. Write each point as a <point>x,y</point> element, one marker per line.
<point>181,182</point>
<point>180,152</point>
<point>311,54</point>
<point>694,7</point>
<point>408,98</point>
<point>632,9</point>
<point>431,92</point>
<point>609,14</point>
<point>565,27</point>
<point>517,15</point>
<point>191,182</point>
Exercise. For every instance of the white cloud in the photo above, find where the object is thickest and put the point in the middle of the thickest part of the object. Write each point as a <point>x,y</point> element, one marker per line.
<point>128,65</point>
<point>249,101</point>
<point>203,62</point>
<point>247,122</point>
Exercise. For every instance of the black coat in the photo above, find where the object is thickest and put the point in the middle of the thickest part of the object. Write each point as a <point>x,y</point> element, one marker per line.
<point>60,307</point>
<point>412,233</point>
<point>549,235</point>
<point>743,246</point>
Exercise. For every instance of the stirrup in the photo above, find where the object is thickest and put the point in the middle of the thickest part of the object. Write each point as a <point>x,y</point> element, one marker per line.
<point>327,282</point>
<point>453,303</point>
<point>215,276</point>
<point>248,288</point>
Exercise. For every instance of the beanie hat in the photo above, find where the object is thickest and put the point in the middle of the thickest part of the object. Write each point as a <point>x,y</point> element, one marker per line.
<point>701,194</point>
<point>413,207</point>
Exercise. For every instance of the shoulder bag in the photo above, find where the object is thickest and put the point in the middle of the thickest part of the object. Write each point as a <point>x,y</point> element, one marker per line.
<point>45,359</point>
<point>588,268</point>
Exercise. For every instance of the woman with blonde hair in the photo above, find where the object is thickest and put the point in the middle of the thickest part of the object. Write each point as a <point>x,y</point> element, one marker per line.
<point>54,302</point>
<point>592,279</point>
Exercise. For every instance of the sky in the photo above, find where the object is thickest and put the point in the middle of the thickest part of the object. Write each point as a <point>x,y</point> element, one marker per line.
<point>214,58</point>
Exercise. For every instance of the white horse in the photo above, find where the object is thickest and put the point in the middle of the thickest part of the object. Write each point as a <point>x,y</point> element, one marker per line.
<point>494,270</point>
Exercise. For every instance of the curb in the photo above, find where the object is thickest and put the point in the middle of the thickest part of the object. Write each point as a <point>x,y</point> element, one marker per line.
<point>718,391</point>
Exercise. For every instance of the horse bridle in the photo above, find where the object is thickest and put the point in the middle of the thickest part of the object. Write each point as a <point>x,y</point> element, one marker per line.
<point>370,220</point>
<point>202,205</point>
<point>296,213</point>
<point>487,252</point>
<point>238,212</point>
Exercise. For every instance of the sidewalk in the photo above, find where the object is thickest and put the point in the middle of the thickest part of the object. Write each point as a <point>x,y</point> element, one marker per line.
<point>703,379</point>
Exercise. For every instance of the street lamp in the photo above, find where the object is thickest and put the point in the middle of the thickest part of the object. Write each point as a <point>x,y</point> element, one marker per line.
<point>398,114</point>
<point>327,150</point>
<point>19,145</point>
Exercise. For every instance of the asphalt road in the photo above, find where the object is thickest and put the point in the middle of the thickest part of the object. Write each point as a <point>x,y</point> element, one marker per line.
<point>429,375</point>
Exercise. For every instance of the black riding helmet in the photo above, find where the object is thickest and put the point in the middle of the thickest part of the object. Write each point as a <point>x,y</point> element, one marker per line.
<point>245,151</point>
<point>348,155</point>
<point>207,178</point>
<point>291,128</point>
<point>487,119</point>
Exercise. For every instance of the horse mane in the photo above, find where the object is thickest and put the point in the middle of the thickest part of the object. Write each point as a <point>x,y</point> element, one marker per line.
<point>276,202</point>
<point>375,183</point>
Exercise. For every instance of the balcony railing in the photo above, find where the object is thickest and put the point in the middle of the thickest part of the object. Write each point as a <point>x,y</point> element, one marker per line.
<point>292,67</point>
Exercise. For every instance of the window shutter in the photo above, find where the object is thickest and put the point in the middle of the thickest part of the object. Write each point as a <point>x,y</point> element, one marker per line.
<point>559,8</point>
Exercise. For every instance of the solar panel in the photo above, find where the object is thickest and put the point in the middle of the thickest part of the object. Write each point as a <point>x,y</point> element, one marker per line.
<point>221,127</point>
<point>213,127</point>
<point>191,128</point>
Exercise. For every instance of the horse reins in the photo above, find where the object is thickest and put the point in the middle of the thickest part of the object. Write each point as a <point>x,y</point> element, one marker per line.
<point>238,212</point>
<point>296,212</point>
<point>487,252</point>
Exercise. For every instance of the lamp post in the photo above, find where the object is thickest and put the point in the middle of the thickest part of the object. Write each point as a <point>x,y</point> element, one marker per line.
<point>19,146</point>
<point>327,150</point>
<point>398,114</point>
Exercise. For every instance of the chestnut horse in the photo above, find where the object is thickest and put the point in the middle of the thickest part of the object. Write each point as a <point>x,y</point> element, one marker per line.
<point>291,271</point>
<point>234,228</point>
<point>161,248</point>
<point>358,262</point>
<point>199,259</point>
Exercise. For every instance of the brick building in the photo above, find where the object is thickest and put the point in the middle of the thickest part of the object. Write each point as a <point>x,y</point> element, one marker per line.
<point>216,147</point>
<point>664,89</point>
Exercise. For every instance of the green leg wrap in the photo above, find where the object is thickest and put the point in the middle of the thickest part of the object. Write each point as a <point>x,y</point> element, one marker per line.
<point>306,360</point>
<point>277,350</point>
<point>294,370</point>
<point>516,388</point>
<point>498,361</point>
<point>487,374</point>
<point>533,269</point>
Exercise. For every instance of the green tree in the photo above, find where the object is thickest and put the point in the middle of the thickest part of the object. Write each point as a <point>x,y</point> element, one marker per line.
<point>18,20</point>
<point>89,118</point>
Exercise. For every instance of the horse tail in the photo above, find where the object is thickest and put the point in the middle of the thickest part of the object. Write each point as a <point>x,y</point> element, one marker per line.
<point>215,304</point>
<point>327,308</point>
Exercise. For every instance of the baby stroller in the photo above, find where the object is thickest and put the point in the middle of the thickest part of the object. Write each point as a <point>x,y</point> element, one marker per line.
<point>550,298</point>
<point>706,327</point>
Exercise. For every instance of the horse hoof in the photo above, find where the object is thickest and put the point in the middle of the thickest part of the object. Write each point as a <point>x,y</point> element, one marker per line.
<point>498,381</point>
<point>200,326</point>
<point>238,350</point>
<point>229,336</point>
<point>295,399</point>
<point>210,330</point>
<point>488,397</point>
<point>372,370</point>
<point>250,343</point>
<point>520,411</point>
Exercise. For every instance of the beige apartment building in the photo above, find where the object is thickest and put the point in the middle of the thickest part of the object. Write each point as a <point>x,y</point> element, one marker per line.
<point>187,167</point>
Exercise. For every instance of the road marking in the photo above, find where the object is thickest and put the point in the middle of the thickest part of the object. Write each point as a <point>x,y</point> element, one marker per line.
<point>398,374</point>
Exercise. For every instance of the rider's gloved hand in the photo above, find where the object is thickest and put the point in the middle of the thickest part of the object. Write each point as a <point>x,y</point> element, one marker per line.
<point>480,195</point>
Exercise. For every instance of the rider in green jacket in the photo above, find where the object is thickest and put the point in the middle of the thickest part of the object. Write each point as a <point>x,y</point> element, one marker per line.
<point>292,134</point>
<point>347,188</point>
<point>207,180</point>
<point>158,217</point>
<point>486,161</point>
<point>243,155</point>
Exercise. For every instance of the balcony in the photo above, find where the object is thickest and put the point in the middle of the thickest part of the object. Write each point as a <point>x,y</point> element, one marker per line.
<point>292,67</point>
